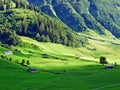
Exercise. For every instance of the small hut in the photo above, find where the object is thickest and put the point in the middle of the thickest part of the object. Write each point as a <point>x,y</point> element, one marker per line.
<point>8,52</point>
<point>109,66</point>
<point>32,70</point>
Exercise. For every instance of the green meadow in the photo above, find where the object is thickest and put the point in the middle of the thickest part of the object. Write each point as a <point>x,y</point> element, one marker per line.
<point>60,67</point>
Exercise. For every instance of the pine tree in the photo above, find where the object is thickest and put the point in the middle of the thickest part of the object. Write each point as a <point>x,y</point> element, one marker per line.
<point>8,5</point>
<point>1,5</point>
<point>7,2</point>
<point>24,27</point>
<point>17,3</point>
<point>48,39</point>
<point>41,28</point>
<point>43,38</point>
<point>37,36</point>
<point>23,4</point>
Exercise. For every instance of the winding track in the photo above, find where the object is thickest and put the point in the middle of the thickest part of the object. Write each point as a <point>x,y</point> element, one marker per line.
<point>107,86</point>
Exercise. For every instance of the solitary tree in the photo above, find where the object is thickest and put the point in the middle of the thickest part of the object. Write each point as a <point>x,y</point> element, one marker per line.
<point>10,59</point>
<point>103,60</point>
<point>23,62</point>
<point>28,63</point>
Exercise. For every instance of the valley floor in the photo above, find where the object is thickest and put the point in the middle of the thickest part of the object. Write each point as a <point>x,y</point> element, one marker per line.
<point>60,67</point>
<point>86,75</point>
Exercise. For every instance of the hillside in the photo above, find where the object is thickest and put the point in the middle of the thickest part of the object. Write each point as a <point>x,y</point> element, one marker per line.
<point>27,20</point>
<point>81,66</point>
<point>79,15</point>
<point>34,51</point>
<point>61,59</point>
<point>23,21</point>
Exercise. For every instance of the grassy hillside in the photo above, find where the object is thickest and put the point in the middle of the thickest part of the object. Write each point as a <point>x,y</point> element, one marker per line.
<point>81,66</point>
<point>39,26</point>
<point>51,60</point>
<point>96,48</point>
<point>32,50</point>
<point>75,78</point>
<point>58,67</point>
<point>27,20</point>
<point>80,15</point>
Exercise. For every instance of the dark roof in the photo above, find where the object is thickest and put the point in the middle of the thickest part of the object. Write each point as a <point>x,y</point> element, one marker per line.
<point>109,66</point>
<point>32,70</point>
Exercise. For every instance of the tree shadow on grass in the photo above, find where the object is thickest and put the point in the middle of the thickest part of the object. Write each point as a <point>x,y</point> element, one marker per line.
<point>85,78</point>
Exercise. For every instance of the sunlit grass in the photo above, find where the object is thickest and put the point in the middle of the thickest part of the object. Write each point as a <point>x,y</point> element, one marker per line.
<point>81,66</point>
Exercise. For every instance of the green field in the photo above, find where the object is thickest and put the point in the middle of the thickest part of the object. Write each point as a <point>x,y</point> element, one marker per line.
<point>85,75</point>
<point>81,65</point>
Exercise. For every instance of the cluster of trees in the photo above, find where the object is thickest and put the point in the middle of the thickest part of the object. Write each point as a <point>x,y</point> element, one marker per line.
<point>5,58</point>
<point>102,14</point>
<point>23,63</point>
<point>51,30</point>
<point>103,61</point>
<point>9,37</point>
<point>41,27</point>
<point>38,26</point>
<point>8,4</point>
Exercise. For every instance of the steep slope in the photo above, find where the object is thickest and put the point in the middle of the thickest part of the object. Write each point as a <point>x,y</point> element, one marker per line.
<point>107,13</point>
<point>26,20</point>
<point>79,15</point>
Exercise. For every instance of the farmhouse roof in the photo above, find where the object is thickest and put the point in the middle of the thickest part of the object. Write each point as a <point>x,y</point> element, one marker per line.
<point>32,70</point>
<point>8,52</point>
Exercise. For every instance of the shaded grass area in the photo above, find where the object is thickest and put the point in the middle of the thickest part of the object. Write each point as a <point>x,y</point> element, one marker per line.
<point>86,77</point>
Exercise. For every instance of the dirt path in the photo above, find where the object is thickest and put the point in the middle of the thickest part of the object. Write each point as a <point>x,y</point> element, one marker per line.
<point>107,86</point>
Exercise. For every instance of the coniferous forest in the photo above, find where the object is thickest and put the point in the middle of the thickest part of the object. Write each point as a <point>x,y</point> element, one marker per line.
<point>28,20</point>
